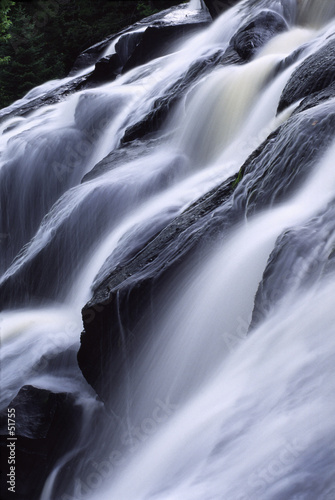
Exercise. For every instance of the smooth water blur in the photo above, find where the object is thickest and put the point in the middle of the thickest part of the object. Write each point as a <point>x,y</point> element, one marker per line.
<point>209,412</point>
<point>254,430</point>
<point>315,13</point>
<point>219,393</point>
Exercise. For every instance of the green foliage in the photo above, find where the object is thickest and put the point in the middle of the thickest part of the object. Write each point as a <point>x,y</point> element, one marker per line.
<point>5,24</point>
<point>145,9</point>
<point>30,64</point>
<point>43,38</point>
<point>238,178</point>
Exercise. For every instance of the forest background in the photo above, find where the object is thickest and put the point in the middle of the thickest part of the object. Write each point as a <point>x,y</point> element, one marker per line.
<point>41,39</point>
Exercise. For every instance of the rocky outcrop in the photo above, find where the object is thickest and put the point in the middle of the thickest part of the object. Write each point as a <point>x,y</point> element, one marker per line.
<point>242,47</point>
<point>121,300</point>
<point>47,425</point>
<point>316,98</point>
<point>157,41</point>
<point>152,37</point>
<point>125,298</point>
<point>315,74</point>
<point>91,55</point>
<point>256,33</point>
<point>164,105</point>
<point>105,70</point>
<point>136,48</point>
<point>302,256</point>
<point>21,108</point>
<point>216,7</point>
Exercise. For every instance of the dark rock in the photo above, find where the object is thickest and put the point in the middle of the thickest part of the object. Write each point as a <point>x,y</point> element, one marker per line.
<point>91,55</point>
<point>216,7</point>
<point>106,70</point>
<point>125,299</point>
<point>50,97</point>
<point>157,41</point>
<point>164,105</point>
<point>127,44</point>
<point>289,60</point>
<point>47,425</point>
<point>120,156</point>
<point>302,256</point>
<point>256,33</point>
<point>316,98</point>
<point>120,302</point>
<point>293,149</point>
<point>314,74</point>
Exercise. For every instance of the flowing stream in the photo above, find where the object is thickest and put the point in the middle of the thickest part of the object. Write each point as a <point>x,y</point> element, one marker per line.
<point>210,409</point>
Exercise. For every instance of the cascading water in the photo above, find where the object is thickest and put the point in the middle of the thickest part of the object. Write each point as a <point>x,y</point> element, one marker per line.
<point>195,195</point>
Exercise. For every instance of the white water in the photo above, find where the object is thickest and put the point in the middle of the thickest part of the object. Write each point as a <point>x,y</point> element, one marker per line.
<point>251,417</point>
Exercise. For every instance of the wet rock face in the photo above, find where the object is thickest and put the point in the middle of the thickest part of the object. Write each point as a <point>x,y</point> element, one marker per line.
<point>90,56</point>
<point>243,46</point>
<point>136,48</point>
<point>164,105</point>
<point>106,70</point>
<point>120,302</point>
<point>216,7</point>
<point>315,74</point>
<point>302,256</point>
<point>157,41</point>
<point>257,33</point>
<point>50,97</point>
<point>46,426</point>
<point>124,298</point>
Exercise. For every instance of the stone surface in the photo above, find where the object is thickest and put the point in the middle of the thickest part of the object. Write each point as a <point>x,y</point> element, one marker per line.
<point>314,74</point>
<point>302,256</point>
<point>106,70</point>
<point>256,33</point>
<point>216,7</point>
<point>126,297</point>
<point>164,105</point>
<point>47,425</point>
<point>157,41</point>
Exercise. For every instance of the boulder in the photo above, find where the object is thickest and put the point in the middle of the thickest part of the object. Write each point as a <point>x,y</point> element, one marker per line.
<point>47,426</point>
<point>256,33</point>
<point>314,74</point>
<point>121,300</point>
<point>316,98</point>
<point>302,256</point>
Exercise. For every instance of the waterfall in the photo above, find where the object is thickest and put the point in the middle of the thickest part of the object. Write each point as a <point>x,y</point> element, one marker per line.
<point>167,271</point>
<point>313,13</point>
